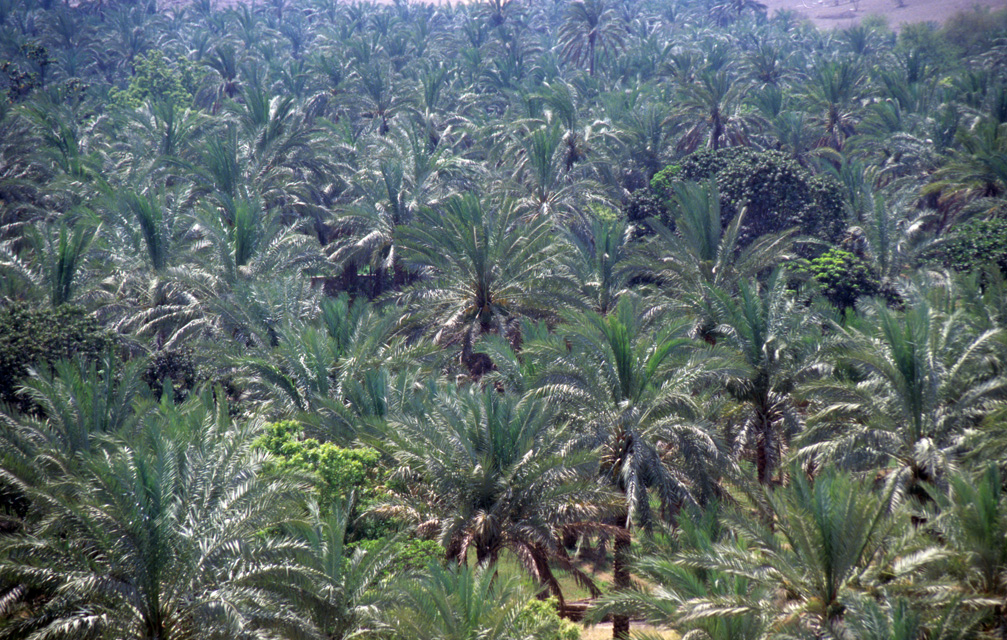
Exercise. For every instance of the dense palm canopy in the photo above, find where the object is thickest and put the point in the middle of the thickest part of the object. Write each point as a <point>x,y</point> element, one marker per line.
<point>308,308</point>
<point>150,541</point>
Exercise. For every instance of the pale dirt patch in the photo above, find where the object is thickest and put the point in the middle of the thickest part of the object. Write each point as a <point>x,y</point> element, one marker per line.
<point>603,631</point>
<point>829,14</point>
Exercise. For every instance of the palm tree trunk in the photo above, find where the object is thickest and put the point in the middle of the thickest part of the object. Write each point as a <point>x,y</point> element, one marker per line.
<point>620,571</point>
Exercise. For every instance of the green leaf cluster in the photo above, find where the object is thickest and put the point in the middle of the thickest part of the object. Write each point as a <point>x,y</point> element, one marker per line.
<point>973,245</point>
<point>29,337</point>
<point>159,79</point>
<point>339,471</point>
<point>775,192</point>
<point>843,277</point>
<point>540,620</point>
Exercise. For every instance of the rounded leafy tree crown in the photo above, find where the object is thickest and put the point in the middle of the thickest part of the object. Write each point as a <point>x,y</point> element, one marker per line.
<point>971,246</point>
<point>843,277</point>
<point>775,191</point>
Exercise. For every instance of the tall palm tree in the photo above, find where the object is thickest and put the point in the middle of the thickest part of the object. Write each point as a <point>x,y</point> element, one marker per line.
<point>336,373</point>
<point>701,250</point>
<point>978,169</point>
<point>590,29</point>
<point>492,475</point>
<point>626,380</point>
<point>713,110</point>
<point>599,265</point>
<point>836,87</point>
<point>766,329</point>
<point>483,267</point>
<point>701,255</point>
<point>673,586</point>
<point>912,384</point>
<point>975,530</point>
<point>54,265</point>
<point>159,539</point>
<point>824,544</point>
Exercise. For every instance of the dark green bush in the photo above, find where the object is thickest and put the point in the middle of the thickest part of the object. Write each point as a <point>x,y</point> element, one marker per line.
<point>642,205</point>
<point>176,365</point>
<point>412,554</point>
<point>971,246</point>
<point>777,192</point>
<point>41,337</point>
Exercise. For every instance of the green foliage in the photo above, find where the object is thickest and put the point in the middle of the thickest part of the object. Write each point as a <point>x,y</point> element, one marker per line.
<point>971,246</point>
<point>663,182</point>
<point>459,603</point>
<point>642,205</point>
<point>973,32</point>
<point>775,192</point>
<point>157,78</point>
<point>339,472</point>
<point>174,367</point>
<point>411,554</point>
<point>539,619</point>
<point>29,337</point>
<point>843,277</point>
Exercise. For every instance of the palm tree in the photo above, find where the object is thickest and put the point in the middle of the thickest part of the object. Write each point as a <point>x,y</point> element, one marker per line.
<point>713,105</point>
<point>495,476</point>
<point>975,530</point>
<point>347,587</point>
<point>910,387</point>
<point>76,405</point>
<point>724,12</point>
<point>546,156</point>
<point>335,373</point>
<point>768,332</point>
<point>835,89</point>
<point>598,263</point>
<point>701,255</point>
<point>408,175</point>
<point>703,251</point>
<point>674,586</point>
<point>459,603</point>
<point>159,539</point>
<point>824,544</point>
<point>57,256</point>
<point>590,28</point>
<point>978,169</point>
<point>484,267</point>
<point>626,381</point>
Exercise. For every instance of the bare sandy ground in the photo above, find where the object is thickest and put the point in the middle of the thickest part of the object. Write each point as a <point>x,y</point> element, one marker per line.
<point>829,14</point>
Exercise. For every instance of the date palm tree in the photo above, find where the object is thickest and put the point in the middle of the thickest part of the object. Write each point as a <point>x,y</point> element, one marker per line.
<point>626,382</point>
<point>53,267</point>
<point>713,111</point>
<point>915,382</point>
<point>974,527</point>
<point>767,332</point>
<point>459,603</point>
<point>491,474</point>
<point>482,267</point>
<point>673,586</point>
<point>159,539</point>
<point>823,546</point>
<point>590,29</point>
<point>346,587</point>
<point>835,88</point>
<point>701,255</point>
<point>598,265</point>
